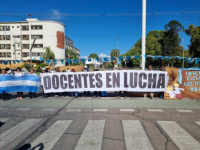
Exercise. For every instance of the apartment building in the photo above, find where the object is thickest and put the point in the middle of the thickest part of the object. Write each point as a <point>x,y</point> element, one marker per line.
<point>16,39</point>
<point>69,45</point>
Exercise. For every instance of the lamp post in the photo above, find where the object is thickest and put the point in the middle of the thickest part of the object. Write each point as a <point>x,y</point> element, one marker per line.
<point>31,51</point>
<point>143,32</point>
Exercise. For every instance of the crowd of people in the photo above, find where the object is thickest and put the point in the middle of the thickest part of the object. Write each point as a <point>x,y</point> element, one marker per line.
<point>32,95</point>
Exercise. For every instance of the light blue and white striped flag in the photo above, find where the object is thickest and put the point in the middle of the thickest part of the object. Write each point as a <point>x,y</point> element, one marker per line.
<point>25,83</point>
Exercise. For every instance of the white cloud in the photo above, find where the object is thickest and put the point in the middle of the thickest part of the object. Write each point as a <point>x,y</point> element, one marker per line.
<point>56,15</point>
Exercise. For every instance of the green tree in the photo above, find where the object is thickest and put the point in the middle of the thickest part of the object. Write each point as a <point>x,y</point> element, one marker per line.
<point>48,54</point>
<point>115,53</point>
<point>194,33</point>
<point>71,54</point>
<point>171,41</point>
<point>93,55</point>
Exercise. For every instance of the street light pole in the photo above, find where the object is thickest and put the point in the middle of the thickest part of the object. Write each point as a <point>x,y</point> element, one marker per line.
<point>31,51</point>
<point>143,32</point>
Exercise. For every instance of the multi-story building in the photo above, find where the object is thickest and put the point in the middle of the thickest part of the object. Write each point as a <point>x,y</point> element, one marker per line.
<point>16,39</point>
<point>69,45</point>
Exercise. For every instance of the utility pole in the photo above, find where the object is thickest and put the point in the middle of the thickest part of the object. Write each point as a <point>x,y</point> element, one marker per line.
<point>143,32</point>
<point>31,51</point>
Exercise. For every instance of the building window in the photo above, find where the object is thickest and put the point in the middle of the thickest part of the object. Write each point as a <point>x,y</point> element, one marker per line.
<point>25,28</point>
<point>36,36</point>
<point>12,26</point>
<point>4,54</point>
<point>38,46</point>
<point>4,46</point>
<point>36,27</point>
<point>25,54</point>
<point>25,46</point>
<point>25,37</point>
<point>2,28</point>
<point>2,37</point>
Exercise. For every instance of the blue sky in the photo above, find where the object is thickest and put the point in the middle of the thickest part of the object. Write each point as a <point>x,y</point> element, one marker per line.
<point>99,34</point>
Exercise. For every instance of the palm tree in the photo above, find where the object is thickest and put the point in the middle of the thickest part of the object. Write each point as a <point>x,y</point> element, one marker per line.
<point>48,54</point>
<point>115,53</point>
<point>71,54</point>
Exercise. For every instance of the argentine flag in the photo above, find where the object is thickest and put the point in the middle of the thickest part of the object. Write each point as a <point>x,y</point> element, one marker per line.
<point>25,83</point>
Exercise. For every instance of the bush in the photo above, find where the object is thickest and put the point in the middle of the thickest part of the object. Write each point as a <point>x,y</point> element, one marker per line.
<point>27,66</point>
<point>42,65</point>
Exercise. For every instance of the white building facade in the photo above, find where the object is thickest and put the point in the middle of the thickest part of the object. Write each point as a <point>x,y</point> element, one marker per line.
<point>16,39</point>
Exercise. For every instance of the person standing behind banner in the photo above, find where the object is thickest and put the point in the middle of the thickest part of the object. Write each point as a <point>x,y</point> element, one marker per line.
<point>96,93</point>
<point>151,94</point>
<point>74,93</point>
<point>5,95</point>
<point>19,74</point>
<point>44,94</point>
<point>64,93</point>
<point>32,94</point>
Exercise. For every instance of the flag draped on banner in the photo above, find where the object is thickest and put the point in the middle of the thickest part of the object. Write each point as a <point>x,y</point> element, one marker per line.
<point>25,83</point>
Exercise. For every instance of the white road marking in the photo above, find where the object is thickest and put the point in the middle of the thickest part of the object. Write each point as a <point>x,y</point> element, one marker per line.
<point>155,110</point>
<point>14,132</point>
<point>48,109</point>
<point>73,110</point>
<point>99,110</point>
<point>52,134</point>
<point>182,110</point>
<point>105,97</point>
<point>3,108</point>
<point>179,136</point>
<point>23,109</point>
<point>4,119</point>
<point>92,135</point>
<point>86,98</point>
<point>198,122</point>
<point>135,136</point>
<point>127,110</point>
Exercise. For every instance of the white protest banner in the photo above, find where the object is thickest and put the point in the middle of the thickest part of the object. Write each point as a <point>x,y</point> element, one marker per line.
<point>129,80</point>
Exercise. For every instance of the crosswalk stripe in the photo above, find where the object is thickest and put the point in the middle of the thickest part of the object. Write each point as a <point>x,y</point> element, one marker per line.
<point>52,134</point>
<point>75,110</point>
<point>183,110</point>
<point>155,110</point>
<point>4,119</point>
<point>198,122</point>
<point>92,135</point>
<point>23,109</point>
<point>48,109</point>
<point>127,110</point>
<point>135,136</point>
<point>99,110</point>
<point>16,131</point>
<point>179,136</point>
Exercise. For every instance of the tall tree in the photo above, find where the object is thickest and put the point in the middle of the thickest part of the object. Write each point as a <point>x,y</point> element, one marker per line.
<point>93,55</point>
<point>171,40</point>
<point>71,54</point>
<point>194,33</point>
<point>115,53</point>
<point>48,54</point>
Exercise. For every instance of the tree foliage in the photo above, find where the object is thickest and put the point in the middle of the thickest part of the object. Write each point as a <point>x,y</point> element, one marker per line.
<point>194,33</point>
<point>115,53</point>
<point>93,55</point>
<point>48,54</point>
<point>71,54</point>
<point>171,40</point>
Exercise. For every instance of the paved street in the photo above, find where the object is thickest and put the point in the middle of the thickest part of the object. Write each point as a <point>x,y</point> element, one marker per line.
<point>106,123</point>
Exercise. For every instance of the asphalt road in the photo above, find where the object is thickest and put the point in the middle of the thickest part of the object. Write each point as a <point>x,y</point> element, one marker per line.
<point>107,123</point>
